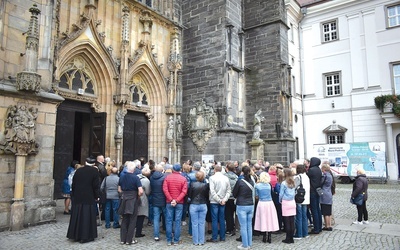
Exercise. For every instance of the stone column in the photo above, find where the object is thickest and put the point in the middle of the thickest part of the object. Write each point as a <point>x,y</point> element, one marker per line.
<point>257,149</point>
<point>389,139</point>
<point>18,206</point>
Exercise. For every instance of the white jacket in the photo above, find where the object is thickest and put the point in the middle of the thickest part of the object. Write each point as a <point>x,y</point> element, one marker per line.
<point>306,185</point>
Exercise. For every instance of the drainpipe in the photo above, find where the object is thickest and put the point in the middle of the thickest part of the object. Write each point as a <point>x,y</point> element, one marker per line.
<point>303,10</point>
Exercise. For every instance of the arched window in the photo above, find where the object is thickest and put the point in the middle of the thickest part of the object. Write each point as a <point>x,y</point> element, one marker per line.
<point>138,95</point>
<point>76,77</point>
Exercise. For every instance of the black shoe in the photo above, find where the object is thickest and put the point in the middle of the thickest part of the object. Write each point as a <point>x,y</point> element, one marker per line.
<point>313,232</point>
<point>211,240</point>
<point>209,231</point>
<point>239,239</point>
<point>327,229</point>
<point>264,238</point>
<point>139,236</point>
<point>65,212</point>
<point>118,226</point>
<point>287,241</point>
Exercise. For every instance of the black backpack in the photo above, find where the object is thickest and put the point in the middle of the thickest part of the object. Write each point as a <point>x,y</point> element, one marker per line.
<point>300,193</point>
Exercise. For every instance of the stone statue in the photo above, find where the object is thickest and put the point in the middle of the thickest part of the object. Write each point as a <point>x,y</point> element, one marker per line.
<point>179,127</point>
<point>170,128</point>
<point>257,125</point>
<point>119,118</point>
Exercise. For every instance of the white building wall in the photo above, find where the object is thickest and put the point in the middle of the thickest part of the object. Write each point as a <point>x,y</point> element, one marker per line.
<point>363,54</point>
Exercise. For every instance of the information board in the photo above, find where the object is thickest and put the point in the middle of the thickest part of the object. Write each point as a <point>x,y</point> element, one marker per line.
<point>344,159</point>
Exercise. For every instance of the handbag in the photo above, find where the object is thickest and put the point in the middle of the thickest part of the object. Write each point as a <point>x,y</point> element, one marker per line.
<point>319,191</point>
<point>358,200</point>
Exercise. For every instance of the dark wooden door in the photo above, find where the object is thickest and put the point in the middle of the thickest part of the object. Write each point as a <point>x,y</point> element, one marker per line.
<point>79,134</point>
<point>64,147</point>
<point>135,137</point>
<point>97,133</point>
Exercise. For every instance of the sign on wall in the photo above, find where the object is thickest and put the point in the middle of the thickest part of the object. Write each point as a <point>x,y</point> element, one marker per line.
<point>344,159</point>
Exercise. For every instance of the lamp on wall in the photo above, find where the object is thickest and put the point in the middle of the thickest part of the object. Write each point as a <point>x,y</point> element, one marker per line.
<point>333,104</point>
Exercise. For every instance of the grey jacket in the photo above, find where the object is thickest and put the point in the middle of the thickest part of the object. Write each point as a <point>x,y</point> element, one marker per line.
<point>144,201</point>
<point>110,185</point>
<point>220,189</point>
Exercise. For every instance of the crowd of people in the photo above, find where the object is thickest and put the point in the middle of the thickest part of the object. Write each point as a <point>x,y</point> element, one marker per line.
<point>216,199</point>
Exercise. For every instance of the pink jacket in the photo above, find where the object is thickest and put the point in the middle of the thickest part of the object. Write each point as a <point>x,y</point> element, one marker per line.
<point>274,178</point>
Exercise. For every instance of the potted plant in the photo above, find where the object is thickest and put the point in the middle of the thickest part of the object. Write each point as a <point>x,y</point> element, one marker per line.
<point>388,103</point>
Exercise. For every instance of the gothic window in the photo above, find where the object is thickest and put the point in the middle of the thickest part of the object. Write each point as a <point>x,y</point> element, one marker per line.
<point>147,2</point>
<point>139,96</point>
<point>77,77</point>
<point>393,15</point>
<point>335,133</point>
<point>329,31</point>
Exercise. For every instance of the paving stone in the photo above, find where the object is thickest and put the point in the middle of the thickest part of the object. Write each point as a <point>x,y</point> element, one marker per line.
<point>383,232</point>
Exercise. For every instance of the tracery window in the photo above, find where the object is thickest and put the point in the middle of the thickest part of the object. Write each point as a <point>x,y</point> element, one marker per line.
<point>138,92</point>
<point>77,77</point>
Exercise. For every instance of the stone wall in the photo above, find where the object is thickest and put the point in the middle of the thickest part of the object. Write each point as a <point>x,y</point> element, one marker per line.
<point>213,72</point>
<point>266,58</point>
<point>38,181</point>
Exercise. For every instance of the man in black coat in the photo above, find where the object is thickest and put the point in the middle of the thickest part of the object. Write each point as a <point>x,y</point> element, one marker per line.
<point>85,192</point>
<point>315,174</point>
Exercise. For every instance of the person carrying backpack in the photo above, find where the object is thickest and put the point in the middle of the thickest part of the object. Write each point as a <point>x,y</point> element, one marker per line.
<point>301,179</point>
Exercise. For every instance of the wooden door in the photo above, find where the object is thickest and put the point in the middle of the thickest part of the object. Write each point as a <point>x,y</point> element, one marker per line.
<point>135,138</point>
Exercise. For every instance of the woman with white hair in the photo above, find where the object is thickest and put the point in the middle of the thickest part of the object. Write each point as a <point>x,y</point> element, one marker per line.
<point>360,186</point>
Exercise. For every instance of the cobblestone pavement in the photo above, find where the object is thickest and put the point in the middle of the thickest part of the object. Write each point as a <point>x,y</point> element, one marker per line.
<point>382,233</point>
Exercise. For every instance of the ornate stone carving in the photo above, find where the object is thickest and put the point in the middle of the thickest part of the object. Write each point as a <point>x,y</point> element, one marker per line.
<point>19,134</point>
<point>257,125</point>
<point>28,81</point>
<point>201,123</point>
<point>119,118</point>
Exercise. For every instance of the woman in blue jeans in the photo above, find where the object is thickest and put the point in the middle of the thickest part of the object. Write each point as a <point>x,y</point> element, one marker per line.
<point>198,194</point>
<point>244,194</point>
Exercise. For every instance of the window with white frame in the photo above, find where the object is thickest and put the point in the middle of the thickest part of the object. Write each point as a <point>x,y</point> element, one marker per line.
<point>330,31</point>
<point>335,133</point>
<point>396,78</point>
<point>393,15</point>
<point>333,84</point>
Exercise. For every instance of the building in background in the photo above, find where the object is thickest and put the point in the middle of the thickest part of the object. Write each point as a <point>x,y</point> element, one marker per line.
<point>348,53</point>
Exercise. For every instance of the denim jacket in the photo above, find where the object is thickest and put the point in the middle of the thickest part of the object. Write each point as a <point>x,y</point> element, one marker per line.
<point>263,191</point>
<point>286,193</point>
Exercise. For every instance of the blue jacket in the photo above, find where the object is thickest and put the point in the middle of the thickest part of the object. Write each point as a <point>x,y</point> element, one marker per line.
<point>263,191</point>
<point>66,188</point>
<point>286,193</point>
<point>156,185</point>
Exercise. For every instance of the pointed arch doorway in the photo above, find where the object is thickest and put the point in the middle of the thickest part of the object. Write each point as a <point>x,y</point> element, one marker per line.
<point>79,133</point>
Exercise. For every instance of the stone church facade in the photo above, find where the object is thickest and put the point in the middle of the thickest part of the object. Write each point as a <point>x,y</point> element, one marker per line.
<point>135,78</point>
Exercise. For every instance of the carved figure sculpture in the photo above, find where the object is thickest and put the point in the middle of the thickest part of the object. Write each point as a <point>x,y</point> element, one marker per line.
<point>170,128</point>
<point>119,118</point>
<point>258,118</point>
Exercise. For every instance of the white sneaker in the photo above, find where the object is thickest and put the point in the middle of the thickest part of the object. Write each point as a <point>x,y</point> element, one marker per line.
<point>242,247</point>
<point>183,223</point>
<point>357,222</point>
<point>297,238</point>
<point>365,222</point>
